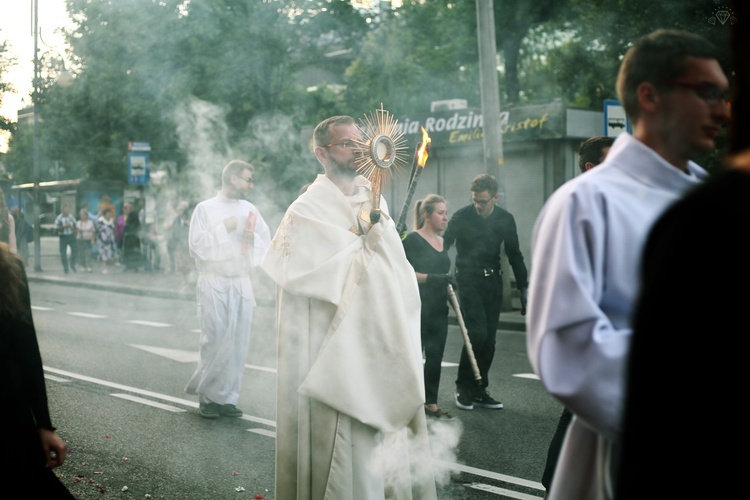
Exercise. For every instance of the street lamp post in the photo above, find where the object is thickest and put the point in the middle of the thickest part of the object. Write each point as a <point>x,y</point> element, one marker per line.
<point>64,79</point>
<point>37,212</point>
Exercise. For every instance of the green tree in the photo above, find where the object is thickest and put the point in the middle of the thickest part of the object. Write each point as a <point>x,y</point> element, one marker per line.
<point>5,62</point>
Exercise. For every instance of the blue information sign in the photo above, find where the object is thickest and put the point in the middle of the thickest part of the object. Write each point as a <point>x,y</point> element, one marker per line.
<point>138,168</point>
<point>615,119</point>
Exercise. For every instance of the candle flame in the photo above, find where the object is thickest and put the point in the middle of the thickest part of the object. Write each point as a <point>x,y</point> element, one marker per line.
<point>422,151</point>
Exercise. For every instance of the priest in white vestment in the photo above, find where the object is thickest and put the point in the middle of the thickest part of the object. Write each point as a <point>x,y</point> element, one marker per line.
<point>227,237</point>
<point>350,396</point>
<point>587,243</point>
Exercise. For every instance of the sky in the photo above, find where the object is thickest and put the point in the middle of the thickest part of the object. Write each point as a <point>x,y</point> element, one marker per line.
<point>16,28</point>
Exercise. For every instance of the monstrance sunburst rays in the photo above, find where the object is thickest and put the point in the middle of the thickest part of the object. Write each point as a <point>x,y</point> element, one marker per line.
<point>384,147</point>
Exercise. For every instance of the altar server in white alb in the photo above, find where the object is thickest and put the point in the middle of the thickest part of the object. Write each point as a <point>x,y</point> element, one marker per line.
<point>587,243</point>
<point>350,392</point>
<point>228,237</point>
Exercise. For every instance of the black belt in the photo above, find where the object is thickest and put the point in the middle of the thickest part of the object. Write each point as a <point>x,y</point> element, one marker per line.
<point>478,271</point>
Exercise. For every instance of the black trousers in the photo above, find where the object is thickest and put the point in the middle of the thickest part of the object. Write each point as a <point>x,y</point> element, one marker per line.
<point>481,301</point>
<point>555,446</point>
<point>434,331</point>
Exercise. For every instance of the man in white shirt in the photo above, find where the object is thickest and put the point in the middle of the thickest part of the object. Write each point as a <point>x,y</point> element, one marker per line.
<point>587,242</point>
<point>228,237</point>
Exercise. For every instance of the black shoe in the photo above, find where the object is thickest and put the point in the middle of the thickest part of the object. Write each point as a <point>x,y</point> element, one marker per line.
<point>464,400</point>
<point>230,411</point>
<point>484,400</point>
<point>209,410</point>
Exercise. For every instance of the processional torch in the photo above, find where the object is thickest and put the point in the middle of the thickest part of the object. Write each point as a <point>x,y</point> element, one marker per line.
<point>420,159</point>
<point>465,333</point>
<point>382,148</point>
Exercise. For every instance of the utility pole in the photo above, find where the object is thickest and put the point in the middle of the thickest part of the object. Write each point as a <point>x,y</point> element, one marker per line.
<point>37,178</point>
<point>493,138</point>
<point>490,92</point>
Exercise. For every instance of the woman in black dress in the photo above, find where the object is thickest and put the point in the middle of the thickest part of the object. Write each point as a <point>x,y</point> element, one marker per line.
<point>424,250</point>
<point>31,445</point>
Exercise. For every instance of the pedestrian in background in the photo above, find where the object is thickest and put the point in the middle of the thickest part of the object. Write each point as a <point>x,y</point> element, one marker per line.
<point>227,238</point>
<point>131,245</point>
<point>177,244</point>
<point>85,239</point>
<point>24,234</point>
<point>65,225</point>
<point>30,443</point>
<point>480,230</point>
<point>592,152</point>
<point>587,243</point>
<point>105,239</point>
<point>7,224</point>
<point>120,222</point>
<point>427,254</point>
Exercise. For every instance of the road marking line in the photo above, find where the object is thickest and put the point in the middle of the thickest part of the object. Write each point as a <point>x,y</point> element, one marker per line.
<point>182,356</point>
<point>533,376</point>
<point>153,395</point>
<point>148,402</point>
<point>489,474</point>
<point>271,423</point>
<point>261,368</point>
<point>86,315</point>
<point>263,432</point>
<point>149,323</point>
<point>40,308</point>
<point>501,491</point>
<point>178,355</point>
<point>264,421</point>
<point>55,379</point>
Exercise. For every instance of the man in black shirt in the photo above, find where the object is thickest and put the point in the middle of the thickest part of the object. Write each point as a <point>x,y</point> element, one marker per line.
<point>479,230</point>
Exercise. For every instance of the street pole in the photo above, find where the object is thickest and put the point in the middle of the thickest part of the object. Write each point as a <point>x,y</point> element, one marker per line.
<point>37,211</point>
<point>493,138</point>
<point>490,93</point>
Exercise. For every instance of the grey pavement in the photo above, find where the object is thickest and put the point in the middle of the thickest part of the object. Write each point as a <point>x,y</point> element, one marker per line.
<point>167,284</point>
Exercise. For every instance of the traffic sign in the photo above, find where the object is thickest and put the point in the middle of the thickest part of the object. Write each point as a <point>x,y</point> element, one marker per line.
<point>138,168</point>
<point>615,119</point>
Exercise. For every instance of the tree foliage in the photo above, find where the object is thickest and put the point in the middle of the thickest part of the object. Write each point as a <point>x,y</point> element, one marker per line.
<point>207,80</point>
<point>5,63</point>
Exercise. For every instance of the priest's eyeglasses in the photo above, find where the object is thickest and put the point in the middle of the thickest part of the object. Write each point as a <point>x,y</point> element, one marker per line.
<point>709,92</point>
<point>345,144</point>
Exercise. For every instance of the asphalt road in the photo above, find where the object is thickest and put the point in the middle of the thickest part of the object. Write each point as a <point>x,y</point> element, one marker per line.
<point>116,367</point>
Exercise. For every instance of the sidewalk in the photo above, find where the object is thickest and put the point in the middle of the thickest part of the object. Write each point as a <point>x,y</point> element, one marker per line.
<point>165,284</point>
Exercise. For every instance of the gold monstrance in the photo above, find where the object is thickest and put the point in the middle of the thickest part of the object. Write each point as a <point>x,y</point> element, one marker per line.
<point>383,147</point>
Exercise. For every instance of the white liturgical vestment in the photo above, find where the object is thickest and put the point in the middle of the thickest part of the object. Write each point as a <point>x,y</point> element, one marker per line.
<point>225,294</point>
<point>586,248</point>
<point>350,423</point>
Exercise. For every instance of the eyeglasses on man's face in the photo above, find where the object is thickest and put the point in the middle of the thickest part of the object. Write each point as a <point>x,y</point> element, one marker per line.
<point>480,203</point>
<point>712,94</point>
<point>348,144</point>
<point>249,180</point>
